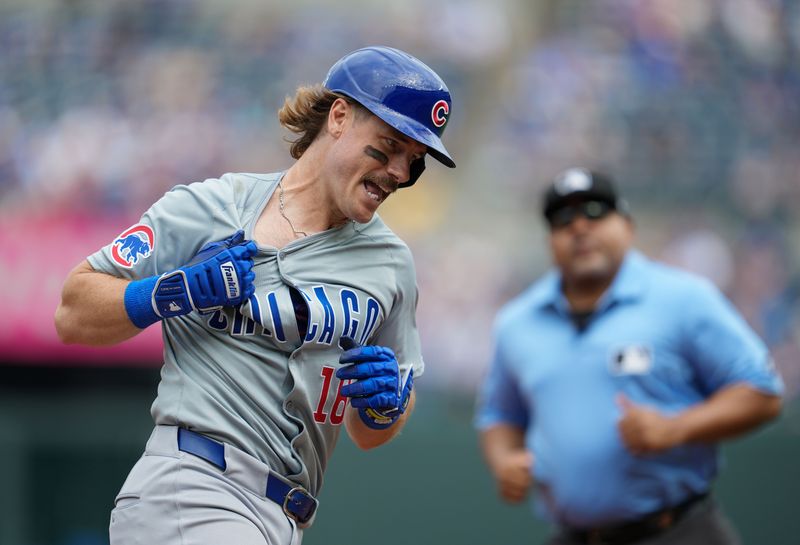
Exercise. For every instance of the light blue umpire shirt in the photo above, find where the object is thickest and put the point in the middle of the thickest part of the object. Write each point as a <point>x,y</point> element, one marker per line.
<point>665,338</point>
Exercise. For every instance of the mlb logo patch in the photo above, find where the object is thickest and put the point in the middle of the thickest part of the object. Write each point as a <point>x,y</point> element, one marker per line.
<point>631,360</point>
<point>136,242</point>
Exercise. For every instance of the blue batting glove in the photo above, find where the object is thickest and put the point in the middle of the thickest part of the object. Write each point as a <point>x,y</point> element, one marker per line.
<point>379,393</point>
<point>219,275</point>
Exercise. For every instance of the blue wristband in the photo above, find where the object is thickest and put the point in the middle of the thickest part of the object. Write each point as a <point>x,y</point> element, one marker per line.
<point>139,302</point>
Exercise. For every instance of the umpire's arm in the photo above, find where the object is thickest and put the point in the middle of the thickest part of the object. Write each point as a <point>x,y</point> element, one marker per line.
<point>511,463</point>
<point>92,309</point>
<point>366,438</point>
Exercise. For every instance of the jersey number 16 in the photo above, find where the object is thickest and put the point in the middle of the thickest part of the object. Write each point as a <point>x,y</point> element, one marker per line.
<point>339,404</point>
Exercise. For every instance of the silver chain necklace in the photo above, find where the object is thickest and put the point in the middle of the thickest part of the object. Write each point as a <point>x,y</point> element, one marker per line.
<point>281,206</point>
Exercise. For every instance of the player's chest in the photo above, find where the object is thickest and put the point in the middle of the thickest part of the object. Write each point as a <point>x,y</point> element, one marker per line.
<point>273,229</point>
<point>297,304</point>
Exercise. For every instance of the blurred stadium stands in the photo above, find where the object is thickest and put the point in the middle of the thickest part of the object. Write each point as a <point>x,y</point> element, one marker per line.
<point>693,106</point>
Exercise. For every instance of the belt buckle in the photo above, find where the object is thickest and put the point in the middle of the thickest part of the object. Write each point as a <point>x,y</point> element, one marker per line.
<point>294,516</point>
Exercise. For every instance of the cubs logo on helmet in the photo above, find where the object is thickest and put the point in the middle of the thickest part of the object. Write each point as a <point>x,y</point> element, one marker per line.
<point>399,89</point>
<point>440,112</point>
<point>136,242</point>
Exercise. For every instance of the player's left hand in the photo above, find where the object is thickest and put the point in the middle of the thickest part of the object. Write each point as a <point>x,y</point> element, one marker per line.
<point>379,392</point>
<point>644,430</point>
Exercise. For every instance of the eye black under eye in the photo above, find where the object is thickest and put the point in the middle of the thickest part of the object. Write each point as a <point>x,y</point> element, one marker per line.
<point>376,154</point>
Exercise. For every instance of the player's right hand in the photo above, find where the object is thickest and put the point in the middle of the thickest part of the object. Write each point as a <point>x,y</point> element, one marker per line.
<point>219,275</point>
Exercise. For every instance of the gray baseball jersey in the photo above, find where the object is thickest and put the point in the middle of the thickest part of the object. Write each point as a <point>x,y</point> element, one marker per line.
<point>249,376</point>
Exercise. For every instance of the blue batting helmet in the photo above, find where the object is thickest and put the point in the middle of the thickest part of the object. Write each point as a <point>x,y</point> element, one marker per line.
<point>402,91</point>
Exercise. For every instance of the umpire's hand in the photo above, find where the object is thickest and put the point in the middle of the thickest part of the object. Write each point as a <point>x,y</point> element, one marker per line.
<point>513,473</point>
<point>644,430</point>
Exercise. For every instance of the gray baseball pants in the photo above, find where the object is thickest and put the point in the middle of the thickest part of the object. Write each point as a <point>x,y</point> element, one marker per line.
<point>174,498</point>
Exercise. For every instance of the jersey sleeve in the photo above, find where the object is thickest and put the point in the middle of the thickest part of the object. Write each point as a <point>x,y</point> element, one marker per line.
<point>499,398</point>
<point>171,231</point>
<point>399,330</point>
<point>723,348</point>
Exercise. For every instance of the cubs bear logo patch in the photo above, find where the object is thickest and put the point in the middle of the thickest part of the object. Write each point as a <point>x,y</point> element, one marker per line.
<point>136,242</point>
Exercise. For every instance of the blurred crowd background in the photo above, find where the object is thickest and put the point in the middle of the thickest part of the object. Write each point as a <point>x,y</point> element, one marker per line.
<point>692,106</point>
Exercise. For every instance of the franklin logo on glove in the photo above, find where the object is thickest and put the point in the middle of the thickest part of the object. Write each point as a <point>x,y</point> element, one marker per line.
<point>231,283</point>
<point>211,280</point>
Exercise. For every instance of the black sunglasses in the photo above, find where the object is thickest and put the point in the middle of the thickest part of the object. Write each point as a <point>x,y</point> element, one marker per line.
<point>592,210</point>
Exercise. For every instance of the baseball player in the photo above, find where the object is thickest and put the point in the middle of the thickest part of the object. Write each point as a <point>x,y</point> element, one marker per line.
<point>613,380</point>
<point>287,309</point>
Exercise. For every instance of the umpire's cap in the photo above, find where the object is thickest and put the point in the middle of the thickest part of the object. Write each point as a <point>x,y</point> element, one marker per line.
<point>580,184</point>
<point>402,91</point>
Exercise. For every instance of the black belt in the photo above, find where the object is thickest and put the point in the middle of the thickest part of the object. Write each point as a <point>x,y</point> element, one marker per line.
<point>637,530</point>
<point>295,500</point>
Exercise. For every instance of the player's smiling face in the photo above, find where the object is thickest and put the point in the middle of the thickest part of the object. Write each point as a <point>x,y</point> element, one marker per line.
<point>370,159</point>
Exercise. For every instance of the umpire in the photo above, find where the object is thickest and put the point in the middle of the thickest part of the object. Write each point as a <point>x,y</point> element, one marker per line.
<point>613,379</point>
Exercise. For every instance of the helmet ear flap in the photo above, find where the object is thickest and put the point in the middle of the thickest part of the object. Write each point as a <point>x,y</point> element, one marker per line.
<point>415,171</point>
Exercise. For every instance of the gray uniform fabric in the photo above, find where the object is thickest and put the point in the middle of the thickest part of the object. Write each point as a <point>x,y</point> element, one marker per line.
<point>245,376</point>
<point>196,503</point>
